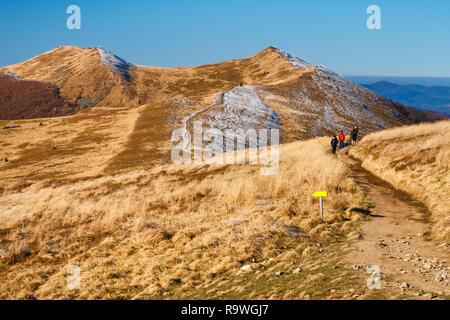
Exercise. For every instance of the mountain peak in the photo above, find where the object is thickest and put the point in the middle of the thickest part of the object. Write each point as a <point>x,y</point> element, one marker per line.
<point>115,63</point>
<point>295,61</point>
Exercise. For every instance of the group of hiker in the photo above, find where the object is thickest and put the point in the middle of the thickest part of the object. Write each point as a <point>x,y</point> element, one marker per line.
<point>340,139</point>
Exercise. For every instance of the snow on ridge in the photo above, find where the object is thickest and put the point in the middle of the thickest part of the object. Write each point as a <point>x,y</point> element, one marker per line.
<point>295,61</point>
<point>322,70</point>
<point>117,64</point>
<point>344,97</point>
<point>15,77</point>
<point>341,80</point>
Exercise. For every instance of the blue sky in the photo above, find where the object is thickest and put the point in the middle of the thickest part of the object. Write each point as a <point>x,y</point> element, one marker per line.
<point>414,40</point>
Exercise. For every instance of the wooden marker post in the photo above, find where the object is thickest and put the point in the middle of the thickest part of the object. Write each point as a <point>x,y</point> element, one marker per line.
<point>321,208</point>
<point>321,195</point>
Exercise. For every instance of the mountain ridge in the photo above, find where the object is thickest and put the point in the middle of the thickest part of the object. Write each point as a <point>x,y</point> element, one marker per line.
<point>310,100</point>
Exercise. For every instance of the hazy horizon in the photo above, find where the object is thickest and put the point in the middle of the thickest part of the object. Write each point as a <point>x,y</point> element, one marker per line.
<point>424,81</point>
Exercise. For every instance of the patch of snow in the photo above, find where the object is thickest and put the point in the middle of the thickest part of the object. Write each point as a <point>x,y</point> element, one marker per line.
<point>295,61</point>
<point>182,102</point>
<point>115,63</point>
<point>234,111</point>
<point>12,75</point>
<point>243,106</point>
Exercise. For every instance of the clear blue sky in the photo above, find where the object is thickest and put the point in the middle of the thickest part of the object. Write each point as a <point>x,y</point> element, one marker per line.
<point>414,40</point>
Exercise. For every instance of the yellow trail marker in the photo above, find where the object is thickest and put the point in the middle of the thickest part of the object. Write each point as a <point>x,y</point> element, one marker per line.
<point>321,195</point>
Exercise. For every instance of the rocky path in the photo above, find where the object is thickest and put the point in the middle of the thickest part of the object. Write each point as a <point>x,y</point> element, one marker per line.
<point>396,240</point>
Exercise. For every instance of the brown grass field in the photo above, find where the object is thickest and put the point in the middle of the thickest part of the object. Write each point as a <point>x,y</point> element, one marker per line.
<point>176,231</point>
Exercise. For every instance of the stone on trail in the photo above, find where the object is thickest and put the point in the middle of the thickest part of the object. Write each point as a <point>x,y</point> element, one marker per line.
<point>315,277</point>
<point>404,285</point>
<point>246,268</point>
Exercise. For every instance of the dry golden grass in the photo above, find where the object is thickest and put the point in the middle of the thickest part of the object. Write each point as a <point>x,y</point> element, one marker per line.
<point>85,144</point>
<point>174,231</point>
<point>414,159</point>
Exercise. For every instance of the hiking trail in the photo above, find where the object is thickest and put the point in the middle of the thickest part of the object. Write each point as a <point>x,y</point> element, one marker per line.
<point>397,239</point>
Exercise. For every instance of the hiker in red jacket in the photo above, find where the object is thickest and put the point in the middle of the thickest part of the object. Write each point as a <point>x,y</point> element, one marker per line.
<point>341,140</point>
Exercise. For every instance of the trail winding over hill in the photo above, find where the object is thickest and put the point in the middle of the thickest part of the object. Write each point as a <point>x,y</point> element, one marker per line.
<point>218,99</point>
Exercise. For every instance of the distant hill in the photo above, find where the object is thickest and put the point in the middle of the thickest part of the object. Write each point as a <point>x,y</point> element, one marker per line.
<point>430,98</point>
<point>424,81</point>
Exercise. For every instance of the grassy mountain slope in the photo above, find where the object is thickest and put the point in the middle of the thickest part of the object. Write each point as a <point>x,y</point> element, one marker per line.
<point>79,74</point>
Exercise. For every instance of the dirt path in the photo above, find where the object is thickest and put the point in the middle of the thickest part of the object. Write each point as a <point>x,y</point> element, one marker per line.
<point>395,239</point>
<point>217,100</point>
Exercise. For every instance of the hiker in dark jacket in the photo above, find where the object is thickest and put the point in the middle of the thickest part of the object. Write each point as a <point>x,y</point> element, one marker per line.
<point>354,135</point>
<point>334,144</point>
